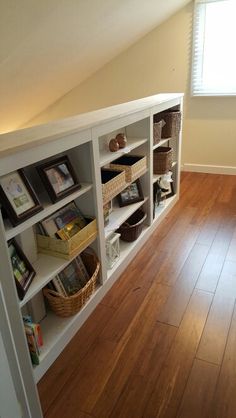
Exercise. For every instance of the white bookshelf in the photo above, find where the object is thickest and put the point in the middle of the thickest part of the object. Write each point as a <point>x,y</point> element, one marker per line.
<point>84,139</point>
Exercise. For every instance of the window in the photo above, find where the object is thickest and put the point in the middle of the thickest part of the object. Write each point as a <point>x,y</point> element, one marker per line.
<point>214,48</point>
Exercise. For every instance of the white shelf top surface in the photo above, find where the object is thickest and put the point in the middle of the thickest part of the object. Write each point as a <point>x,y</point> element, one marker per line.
<point>48,209</point>
<point>107,156</point>
<point>162,142</point>
<point>29,137</point>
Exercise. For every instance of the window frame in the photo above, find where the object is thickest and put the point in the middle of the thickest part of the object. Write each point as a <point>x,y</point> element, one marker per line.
<point>194,66</point>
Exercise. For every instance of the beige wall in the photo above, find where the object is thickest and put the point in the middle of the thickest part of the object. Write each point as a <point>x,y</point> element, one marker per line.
<point>160,62</point>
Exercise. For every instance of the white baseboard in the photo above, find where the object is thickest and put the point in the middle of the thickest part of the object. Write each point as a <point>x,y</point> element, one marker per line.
<point>213,169</point>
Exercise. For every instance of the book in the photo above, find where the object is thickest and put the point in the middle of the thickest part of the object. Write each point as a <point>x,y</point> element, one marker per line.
<point>34,338</point>
<point>67,214</point>
<point>74,276</point>
<point>49,226</point>
<point>58,286</point>
<point>63,218</point>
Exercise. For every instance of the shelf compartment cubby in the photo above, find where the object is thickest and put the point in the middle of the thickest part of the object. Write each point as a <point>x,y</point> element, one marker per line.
<point>119,215</point>
<point>106,156</point>
<point>48,209</point>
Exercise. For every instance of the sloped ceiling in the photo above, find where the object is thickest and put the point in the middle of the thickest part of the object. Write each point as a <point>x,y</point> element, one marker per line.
<point>48,47</point>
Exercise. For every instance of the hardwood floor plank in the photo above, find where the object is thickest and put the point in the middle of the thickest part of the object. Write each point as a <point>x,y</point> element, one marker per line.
<point>210,274</point>
<point>224,405</point>
<point>169,388</point>
<point>199,393</point>
<point>141,336</point>
<point>137,391</point>
<point>227,281</point>
<point>176,305</point>
<point>63,368</point>
<point>231,255</point>
<point>214,337</point>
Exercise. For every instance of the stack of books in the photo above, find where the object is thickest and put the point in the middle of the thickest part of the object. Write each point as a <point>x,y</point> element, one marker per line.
<point>34,338</point>
<point>63,224</point>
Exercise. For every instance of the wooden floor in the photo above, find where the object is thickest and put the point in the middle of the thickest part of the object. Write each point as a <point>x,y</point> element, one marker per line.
<point>163,341</point>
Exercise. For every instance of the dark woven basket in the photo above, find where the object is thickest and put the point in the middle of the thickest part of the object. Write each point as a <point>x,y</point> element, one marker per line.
<point>162,160</point>
<point>132,228</point>
<point>157,128</point>
<point>173,124</point>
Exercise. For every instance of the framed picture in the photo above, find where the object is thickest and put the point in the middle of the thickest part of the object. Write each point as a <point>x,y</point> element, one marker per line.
<point>59,178</point>
<point>22,269</point>
<point>17,197</point>
<point>133,193</point>
<point>167,192</point>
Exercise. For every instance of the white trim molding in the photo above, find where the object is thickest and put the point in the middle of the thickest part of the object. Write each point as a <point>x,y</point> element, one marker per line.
<point>213,169</point>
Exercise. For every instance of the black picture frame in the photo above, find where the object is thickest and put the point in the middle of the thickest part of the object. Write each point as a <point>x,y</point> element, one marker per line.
<point>53,173</point>
<point>22,269</point>
<point>17,197</point>
<point>131,194</point>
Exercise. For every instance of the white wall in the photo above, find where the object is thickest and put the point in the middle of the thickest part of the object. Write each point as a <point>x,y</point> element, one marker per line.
<point>161,62</point>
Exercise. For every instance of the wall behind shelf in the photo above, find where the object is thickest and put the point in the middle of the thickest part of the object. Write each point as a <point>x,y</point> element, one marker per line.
<point>160,62</point>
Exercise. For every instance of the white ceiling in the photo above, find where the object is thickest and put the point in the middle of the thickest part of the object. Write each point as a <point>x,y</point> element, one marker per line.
<point>47,47</point>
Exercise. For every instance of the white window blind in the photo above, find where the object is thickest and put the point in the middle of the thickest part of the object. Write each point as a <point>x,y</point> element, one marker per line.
<point>214,48</point>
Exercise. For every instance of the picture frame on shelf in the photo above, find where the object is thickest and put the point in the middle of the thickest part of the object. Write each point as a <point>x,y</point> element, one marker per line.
<point>131,194</point>
<point>18,197</point>
<point>59,178</point>
<point>168,191</point>
<point>22,269</point>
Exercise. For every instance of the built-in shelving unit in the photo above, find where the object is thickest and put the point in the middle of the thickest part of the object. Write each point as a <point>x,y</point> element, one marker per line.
<point>85,140</point>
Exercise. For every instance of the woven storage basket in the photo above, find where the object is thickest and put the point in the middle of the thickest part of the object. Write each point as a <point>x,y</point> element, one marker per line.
<point>157,130</point>
<point>134,166</point>
<point>132,228</point>
<point>67,306</point>
<point>162,160</point>
<point>173,124</point>
<point>113,182</point>
<point>69,248</point>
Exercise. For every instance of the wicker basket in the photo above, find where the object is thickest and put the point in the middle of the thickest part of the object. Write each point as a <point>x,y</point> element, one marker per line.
<point>134,166</point>
<point>67,306</point>
<point>157,130</point>
<point>173,124</point>
<point>69,248</point>
<point>162,160</point>
<point>132,228</point>
<point>113,182</point>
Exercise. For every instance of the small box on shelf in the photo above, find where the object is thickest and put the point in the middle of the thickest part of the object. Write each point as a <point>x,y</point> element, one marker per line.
<point>113,182</point>
<point>134,166</point>
<point>68,248</point>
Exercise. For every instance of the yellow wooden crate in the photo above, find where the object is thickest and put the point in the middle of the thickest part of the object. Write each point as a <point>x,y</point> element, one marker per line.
<point>69,248</point>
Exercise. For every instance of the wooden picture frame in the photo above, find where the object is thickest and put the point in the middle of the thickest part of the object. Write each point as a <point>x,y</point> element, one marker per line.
<point>18,197</point>
<point>131,194</point>
<point>22,270</point>
<point>59,178</point>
